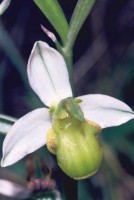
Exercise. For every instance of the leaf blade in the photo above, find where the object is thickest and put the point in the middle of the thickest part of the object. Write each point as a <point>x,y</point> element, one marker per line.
<point>6,123</point>
<point>80,13</point>
<point>54,13</point>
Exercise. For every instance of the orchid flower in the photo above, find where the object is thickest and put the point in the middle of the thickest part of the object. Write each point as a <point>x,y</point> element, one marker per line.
<point>68,126</point>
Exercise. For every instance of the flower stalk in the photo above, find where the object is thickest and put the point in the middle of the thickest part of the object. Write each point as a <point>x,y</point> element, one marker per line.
<point>68,56</point>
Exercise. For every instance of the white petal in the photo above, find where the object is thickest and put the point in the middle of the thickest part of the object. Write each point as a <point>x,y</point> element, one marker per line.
<point>25,136</point>
<point>10,189</point>
<point>4,5</point>
<point>105,110</point>
<point>47,73</point>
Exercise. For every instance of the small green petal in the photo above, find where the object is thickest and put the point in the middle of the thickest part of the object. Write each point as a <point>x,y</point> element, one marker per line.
<point>68,108</point>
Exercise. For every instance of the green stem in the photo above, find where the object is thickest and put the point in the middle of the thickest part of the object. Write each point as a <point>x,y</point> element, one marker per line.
<point>70,187</point>
<point>67,181</point>
<point>68,184</point>
<point>81,11</point>
<point>68,56</point>
<point>7,45</point>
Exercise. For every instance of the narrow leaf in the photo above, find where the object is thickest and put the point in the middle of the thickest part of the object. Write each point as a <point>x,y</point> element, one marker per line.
<point>54,13</point>
<point>82,10</point>
<point>5,123</point>
<point>7,45</point>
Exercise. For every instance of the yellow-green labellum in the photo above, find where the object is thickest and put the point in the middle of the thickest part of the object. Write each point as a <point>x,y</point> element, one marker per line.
<point>74,141</point>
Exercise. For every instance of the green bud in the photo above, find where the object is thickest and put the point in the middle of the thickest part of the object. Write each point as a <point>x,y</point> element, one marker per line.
<point>74,141</point>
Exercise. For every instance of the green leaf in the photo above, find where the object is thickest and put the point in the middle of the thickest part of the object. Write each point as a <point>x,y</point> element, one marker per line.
<point>54,13</point>
<point>81,11</point>
<point>5,123</point>
<point>7,45</point>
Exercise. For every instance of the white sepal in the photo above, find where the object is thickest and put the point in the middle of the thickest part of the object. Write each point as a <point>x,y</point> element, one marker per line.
<point>4,5</point>
<point>105,110</point>
<point>47,74</point>
<point>25,136</point>
<point>11,189</point>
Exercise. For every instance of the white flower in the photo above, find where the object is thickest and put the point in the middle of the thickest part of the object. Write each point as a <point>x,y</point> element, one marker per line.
<point>4,5</point>
<point>48,77</point>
